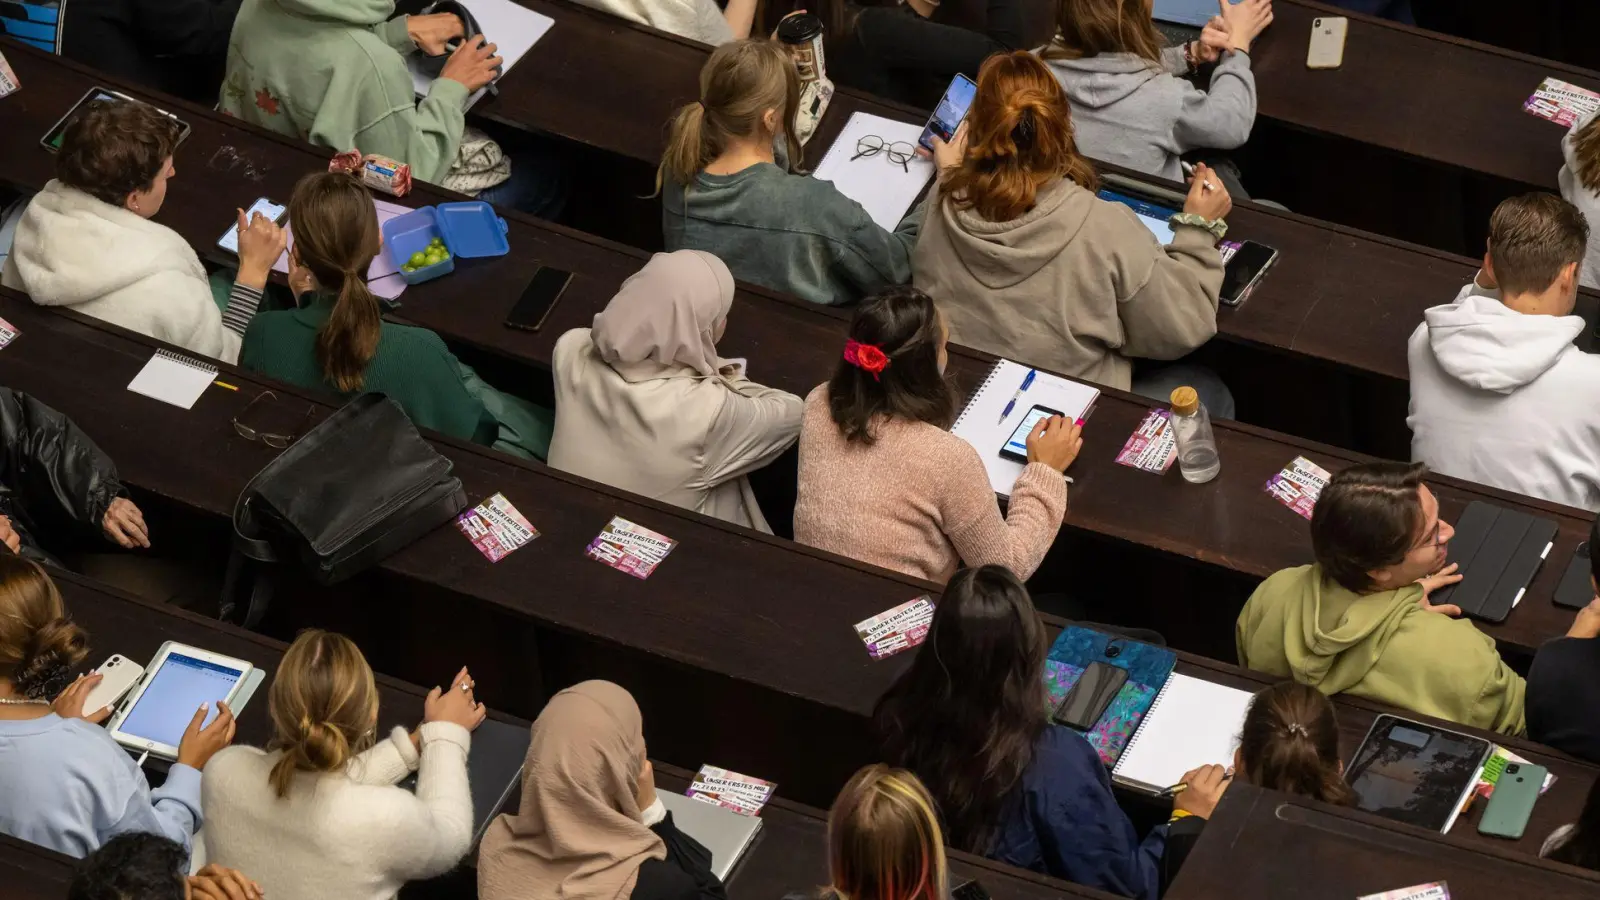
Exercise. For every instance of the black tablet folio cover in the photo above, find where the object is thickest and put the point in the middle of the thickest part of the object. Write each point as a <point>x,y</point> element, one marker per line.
<point>1499,551</point>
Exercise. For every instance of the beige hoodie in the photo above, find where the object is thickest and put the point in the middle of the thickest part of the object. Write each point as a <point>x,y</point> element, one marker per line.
<point>1075,285</point>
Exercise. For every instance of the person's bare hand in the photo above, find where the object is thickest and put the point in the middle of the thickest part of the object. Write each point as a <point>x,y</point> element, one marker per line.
<point>1587,624</point>
<point>1206,786</point>
<point>647,786</point>
<point>261,242</point>
<point>216,882</point>
<point>473,65</point>
<point>947,156</point>
<point>69,703</point>
<point>1055,441</point>
<point>455,704</point>
<point>1430,583</point>
<point>1213,41</point>
<point>9,536</point>
<point>124,524</point>
<point>432,33</point>
<point>1208,198</point>
<point>198,744</point>
<point>1245,21</point>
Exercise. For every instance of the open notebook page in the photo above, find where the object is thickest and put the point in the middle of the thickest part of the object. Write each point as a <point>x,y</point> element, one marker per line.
<point>1192,723</point>
<point>884,189</point>
<point>981,426</point>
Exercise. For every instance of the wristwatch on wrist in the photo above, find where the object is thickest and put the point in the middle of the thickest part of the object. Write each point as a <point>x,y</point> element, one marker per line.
<point>1217,227</point>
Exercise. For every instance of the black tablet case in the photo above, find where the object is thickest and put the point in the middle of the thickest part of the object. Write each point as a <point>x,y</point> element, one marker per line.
<point>1499,551</point>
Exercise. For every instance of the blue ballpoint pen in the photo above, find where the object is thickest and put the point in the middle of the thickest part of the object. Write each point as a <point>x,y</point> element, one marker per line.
<point>1026,383</point>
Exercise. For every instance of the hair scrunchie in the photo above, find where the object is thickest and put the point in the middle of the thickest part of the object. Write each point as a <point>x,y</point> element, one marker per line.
<point>866,357</point>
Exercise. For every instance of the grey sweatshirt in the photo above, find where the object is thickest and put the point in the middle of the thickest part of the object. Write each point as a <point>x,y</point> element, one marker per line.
<point>1587,202</point>
<point>1131,112</point>
<point>791,233</point>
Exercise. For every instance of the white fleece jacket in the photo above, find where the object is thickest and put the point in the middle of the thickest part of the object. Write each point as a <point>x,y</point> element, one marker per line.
<point>353,835</point>
<point>74,250</point>
<point>1506,400</point>
<point>1587,202</point>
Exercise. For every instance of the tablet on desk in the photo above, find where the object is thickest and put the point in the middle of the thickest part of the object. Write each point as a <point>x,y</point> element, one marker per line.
<point>179,679</point>
<point>52,138</point>
<point>1416,773</point>
<point>1152,215</point>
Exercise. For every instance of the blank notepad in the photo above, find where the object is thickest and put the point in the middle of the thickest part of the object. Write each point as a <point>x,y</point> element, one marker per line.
<point>884,189</point>
<point>173,378</point>
<point>981,426</point>
<point>1192,723</point>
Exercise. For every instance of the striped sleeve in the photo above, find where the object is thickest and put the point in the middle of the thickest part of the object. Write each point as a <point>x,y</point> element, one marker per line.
<point>242,303</point>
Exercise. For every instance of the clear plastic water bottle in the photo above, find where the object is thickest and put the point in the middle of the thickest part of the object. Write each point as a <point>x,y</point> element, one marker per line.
<point>1197,446</point>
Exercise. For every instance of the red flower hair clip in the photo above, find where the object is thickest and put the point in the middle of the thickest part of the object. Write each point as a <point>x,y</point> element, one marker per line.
<point>865,357</point>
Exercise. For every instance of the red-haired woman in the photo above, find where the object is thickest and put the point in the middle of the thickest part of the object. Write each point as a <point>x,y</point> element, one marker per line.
<point>1027,262</point>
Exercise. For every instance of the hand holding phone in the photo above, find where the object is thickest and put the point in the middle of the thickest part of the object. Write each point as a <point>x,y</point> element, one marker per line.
<point>275,213</point>
<point>117,676</point>
<point>950,112</point>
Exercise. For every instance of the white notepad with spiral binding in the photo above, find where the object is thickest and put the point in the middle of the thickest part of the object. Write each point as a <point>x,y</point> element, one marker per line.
<point>1192,723</point>
<point>884,189</point>
<point>981,426</point>
<point>173,378</point>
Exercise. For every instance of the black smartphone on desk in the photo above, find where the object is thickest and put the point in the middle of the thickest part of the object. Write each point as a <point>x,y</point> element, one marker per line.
<point>1245,270</point>
<point>1087,701</point>
<point>1575,591</point>
<point>534,306</point>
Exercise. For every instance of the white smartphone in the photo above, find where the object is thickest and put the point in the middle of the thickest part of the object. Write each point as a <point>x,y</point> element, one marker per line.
<point>119,674</point>
<point>1327,42</point>
<point>181,679</point>
<point>230,238</point>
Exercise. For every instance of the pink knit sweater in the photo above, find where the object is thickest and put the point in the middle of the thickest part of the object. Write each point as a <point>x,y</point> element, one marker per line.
<point>918,500</point>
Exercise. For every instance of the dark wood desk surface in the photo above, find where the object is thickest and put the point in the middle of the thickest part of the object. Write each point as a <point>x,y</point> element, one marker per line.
<point>32,872</point>
<point>1258,843</point>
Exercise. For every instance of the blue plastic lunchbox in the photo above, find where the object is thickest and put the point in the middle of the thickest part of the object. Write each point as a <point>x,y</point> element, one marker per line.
<point>469,228</point>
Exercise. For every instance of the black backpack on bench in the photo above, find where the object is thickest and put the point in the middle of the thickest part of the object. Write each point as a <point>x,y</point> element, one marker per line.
<point>350,492</point>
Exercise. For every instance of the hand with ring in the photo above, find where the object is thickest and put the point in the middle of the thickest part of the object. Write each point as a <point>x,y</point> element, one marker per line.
<point>455,704</point>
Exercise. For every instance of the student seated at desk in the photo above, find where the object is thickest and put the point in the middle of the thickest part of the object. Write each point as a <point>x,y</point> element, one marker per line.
<point>1580,185</point>
<point>1359,620</point>
<point>884,841</point>
<point>320,813</point>
<point>883,480</point>
<point>645,403</point>
<point>1564,680</point>
<point>697,20</point>
<point>1026,262</point>
<point>971,717</point>
<point>1499,393</point>
<point>1131,102</point>
<point>64,783</point>
<point>142,866</point>
<point>590,826</point>
<point>337,339</point>
<point>1289,743</point>
<point>1578,844</point>
<point>87,241</point>
<point>728,191</point>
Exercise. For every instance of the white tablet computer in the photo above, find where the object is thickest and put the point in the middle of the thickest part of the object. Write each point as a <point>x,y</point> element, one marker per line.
<point>177,681</point>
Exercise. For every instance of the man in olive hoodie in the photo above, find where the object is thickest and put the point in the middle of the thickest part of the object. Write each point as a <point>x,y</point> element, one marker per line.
<point>333,72</point>
<point>1359,621</point>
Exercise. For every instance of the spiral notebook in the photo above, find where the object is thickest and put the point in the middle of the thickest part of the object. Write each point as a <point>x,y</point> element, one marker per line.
<point>1192,723</point>
<point>884,188</point>
<point>173,378</point>
<point>981,425</point>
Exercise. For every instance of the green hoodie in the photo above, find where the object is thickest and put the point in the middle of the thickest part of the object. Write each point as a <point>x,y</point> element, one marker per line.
<point>1383,646</point>
<point>333,72</point>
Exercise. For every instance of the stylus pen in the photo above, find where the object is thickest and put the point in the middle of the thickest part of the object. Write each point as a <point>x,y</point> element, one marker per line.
<point>1012,404</point>
<point>142,757</point>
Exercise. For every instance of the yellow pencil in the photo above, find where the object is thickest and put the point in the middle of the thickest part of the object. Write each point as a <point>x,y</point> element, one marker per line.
<point>225,385</point>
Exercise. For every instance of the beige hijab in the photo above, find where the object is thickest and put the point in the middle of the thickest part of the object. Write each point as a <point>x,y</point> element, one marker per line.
<point>665,315</point>
<point>577,835</point>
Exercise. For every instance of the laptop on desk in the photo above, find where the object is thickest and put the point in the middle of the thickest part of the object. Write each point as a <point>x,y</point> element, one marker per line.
<point>494,771</point>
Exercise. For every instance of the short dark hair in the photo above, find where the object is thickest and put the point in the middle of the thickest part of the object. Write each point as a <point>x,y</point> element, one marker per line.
<point>132,866</point>
<point>1531,238</point>
<point>902,322</point>
<point>1368,517</point>
<point>115,147</point>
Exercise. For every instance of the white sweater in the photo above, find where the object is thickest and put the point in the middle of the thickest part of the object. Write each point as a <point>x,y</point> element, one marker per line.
<point>348,836</point>
<point>1506,400</point>
<point>72,249</point>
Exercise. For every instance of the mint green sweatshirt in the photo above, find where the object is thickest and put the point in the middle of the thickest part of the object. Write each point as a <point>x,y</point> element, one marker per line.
<point>333,72</point>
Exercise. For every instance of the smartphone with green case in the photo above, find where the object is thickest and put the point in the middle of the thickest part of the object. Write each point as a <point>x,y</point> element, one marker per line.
<point>1511,804</point>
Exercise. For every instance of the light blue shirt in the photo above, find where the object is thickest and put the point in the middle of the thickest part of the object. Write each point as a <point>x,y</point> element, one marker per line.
<point>66,785</point>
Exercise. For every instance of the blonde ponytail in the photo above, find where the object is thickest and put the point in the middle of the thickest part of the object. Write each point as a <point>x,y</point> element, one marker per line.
<point>687,152</point>
<point>324,706</point>
<point>739,83</point>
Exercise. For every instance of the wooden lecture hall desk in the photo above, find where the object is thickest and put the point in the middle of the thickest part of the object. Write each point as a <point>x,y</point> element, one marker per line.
<point>756,629</point>
<point>1261,844</point>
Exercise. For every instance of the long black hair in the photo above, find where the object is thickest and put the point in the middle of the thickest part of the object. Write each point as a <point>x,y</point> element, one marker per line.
<point>966,715</point>
<point>1582,846</point>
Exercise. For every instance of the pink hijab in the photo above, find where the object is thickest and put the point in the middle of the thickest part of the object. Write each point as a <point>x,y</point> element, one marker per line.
<point>577,834</point>
<point>666,314</point>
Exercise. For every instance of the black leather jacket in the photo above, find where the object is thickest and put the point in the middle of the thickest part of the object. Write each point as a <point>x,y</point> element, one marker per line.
<point>52,477</point>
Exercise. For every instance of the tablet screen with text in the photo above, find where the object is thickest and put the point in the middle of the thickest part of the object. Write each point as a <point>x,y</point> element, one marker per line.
<point>176,690</point>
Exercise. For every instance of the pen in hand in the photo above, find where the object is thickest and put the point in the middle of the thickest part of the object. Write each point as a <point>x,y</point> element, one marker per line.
<point>1174,791</point>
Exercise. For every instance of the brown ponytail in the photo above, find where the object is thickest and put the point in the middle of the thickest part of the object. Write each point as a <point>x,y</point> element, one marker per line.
<point>324,706</point>
<point>336,236</point>
<point>39,645</point>
<point>1586,155</point>
<point>1019,139</point>
<point>738,84</point>
<point>1290,743</point>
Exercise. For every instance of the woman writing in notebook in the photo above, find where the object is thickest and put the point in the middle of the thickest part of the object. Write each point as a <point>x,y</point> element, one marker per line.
<point>883,480</point>
<point>64,783</point>
<point>320,814</point>
<point>1027,262</point>
<point>970,717</point>
<point>729,187</point>
<point>337,339</point>
<point>590,826</point>
<point>884,841</point>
